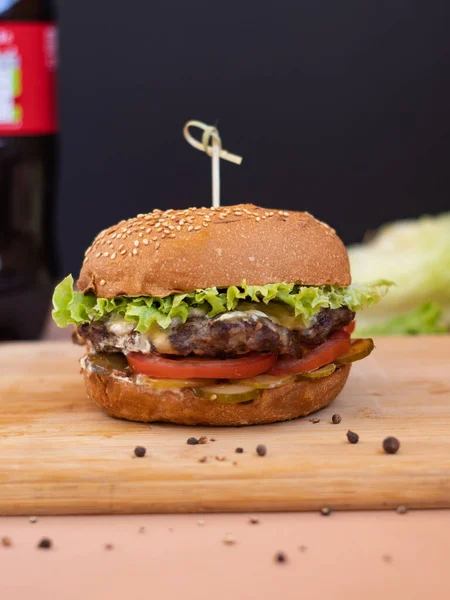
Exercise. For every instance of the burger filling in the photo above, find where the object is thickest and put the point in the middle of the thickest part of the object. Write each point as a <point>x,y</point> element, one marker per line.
<point>223,343</point>
<point>229,335</point>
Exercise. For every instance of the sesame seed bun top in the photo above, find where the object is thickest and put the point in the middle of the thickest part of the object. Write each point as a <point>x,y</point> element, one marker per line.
<point>182,250</point>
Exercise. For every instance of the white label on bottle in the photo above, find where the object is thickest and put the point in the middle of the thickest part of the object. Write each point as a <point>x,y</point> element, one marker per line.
<point>9,63</point>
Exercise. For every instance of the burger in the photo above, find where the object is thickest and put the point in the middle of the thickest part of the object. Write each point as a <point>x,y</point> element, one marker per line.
<point>219,316</point>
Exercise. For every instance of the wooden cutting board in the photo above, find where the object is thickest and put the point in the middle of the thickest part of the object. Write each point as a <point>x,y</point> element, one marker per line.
<point>59,454</point>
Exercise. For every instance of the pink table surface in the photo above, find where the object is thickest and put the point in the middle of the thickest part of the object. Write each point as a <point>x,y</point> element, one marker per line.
<point>178,558</point>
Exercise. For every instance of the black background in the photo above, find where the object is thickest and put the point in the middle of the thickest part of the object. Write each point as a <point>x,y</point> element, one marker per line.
<point>338,108</point>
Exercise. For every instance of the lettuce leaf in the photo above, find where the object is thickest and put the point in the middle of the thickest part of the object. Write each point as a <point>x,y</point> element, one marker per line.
<point>72,307</point>
<point>426,319</point>
<point>416,255</point>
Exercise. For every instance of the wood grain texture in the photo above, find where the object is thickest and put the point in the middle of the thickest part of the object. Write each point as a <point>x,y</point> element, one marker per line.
<point>61,455</point>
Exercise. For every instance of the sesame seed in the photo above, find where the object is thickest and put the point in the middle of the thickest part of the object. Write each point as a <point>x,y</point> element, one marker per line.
<point>258,218</point>
<point>148,230</point>
<point>238,213</point>
<point>135,251</point>
<point>118,236</point>
<point>136,243</point>
<point>229,540</point>
<point>154,238</point>
<point>123,252</point>
<point>113,256</point>
<point>105,253</point>
<point>140,215</point>
<point>142,227</point>
<point>205,225</point>
<point>197,227</point>
<point>172,235</point>
<point>145,241</point>
<point>190,228</point>
<point>113,235</point>
<point>141,234</point>
<point>121,246</point>
<point>285,214</point>
<point>102,282</point>
<point>157,245</point>
<point>182,221</point>
<point>171,227</point>
<point>166,231</point>
<point>163,236</point>
<point>98,254</point>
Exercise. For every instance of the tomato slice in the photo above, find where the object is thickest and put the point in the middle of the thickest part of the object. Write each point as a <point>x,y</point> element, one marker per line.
<point>350,328</point>
<point>322,355</point>
<point>156,365</point>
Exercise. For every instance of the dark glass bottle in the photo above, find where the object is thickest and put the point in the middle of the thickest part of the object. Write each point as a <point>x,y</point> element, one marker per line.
<point>27,166</point>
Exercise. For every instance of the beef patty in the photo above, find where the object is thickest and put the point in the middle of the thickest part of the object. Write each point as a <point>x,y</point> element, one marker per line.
<point>221,337</point>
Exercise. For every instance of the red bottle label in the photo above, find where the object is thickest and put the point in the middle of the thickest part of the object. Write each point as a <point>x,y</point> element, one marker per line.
<point>28,62</point>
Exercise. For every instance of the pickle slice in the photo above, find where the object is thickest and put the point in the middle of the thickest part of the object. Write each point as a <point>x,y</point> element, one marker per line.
<point>318,373</point>
<point>359,349</point>
<point>264,382</point>
<point>227,393</point>
<point>162,382</point>
<point>106,363</point>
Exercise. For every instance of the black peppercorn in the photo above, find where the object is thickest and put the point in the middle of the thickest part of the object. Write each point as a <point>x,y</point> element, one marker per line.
<point>239,450</point>
<point>336,419</point>
<point>140,451</point>
<point>391,445</point>
<point>45,543</point>
<point>352,437</point>
<point>280,557</point>
<point>192,441</point>
<point>261,450</point>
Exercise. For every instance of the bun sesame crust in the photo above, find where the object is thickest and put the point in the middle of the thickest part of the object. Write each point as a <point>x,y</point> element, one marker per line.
<point>162,253</point>
<point>121,397</point>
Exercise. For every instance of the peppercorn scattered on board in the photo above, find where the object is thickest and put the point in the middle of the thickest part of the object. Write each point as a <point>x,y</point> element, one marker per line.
<point>61,455</point>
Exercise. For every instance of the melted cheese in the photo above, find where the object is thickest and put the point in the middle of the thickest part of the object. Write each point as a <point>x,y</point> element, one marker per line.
<point>278,313</point>
<point>159,337</point>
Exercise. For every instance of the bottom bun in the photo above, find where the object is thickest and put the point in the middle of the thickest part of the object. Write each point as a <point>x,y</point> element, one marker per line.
<point>121,397</point>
